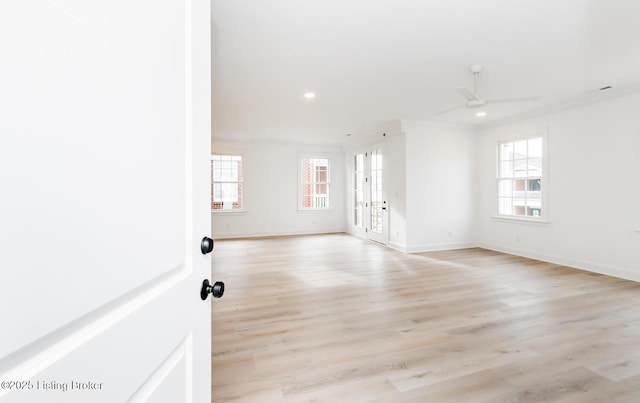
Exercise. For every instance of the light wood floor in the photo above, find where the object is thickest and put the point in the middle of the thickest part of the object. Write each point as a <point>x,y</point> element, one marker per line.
<point>333,318</point>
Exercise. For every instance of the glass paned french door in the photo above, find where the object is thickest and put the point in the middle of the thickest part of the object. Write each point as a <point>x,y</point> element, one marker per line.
<point>369,206</point>
<point>377,201</point>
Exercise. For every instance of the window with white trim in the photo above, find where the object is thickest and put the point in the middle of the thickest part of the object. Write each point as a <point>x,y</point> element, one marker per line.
<point>314,183</point>
<point>520,178</point>
<point>227,183</point>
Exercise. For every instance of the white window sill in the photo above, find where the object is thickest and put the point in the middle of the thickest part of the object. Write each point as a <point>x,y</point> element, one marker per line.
<point>230,212</point>
<point>521,219</point>
<point>313,210</point>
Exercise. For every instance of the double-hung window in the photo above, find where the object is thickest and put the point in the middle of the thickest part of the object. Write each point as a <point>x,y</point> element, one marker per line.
<point>520,178</point>
<point>314,183</point>
<point>227,186</point>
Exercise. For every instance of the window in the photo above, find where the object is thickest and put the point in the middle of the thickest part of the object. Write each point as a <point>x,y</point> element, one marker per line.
<point>520,178</point>
<point>314,174</point>
<point>227,188</point>
<point>358,191</point>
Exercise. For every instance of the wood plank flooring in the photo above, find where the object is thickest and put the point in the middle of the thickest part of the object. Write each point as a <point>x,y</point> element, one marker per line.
<point>333,318</point>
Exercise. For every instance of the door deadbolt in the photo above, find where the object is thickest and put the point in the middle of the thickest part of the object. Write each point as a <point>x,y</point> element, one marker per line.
<point>206,245</point>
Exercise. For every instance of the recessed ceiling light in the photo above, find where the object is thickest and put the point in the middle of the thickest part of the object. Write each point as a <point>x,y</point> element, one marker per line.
<point>309,95</point>
<point>481,114</point>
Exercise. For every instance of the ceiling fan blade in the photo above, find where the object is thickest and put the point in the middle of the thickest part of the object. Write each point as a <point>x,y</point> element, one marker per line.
<point>450,110</point>
<point>466,93</point>
<point>513,99</point>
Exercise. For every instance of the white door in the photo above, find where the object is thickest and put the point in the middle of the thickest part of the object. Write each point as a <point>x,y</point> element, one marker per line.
<point>104,144</point>
<point>377,202</point>
<point>370,208</point>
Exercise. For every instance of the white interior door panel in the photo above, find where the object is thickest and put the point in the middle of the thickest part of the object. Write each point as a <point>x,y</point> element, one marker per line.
<point>104,142</point>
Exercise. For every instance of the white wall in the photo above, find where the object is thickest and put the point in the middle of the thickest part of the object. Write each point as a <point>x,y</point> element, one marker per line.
<point>593,184</point>
<point>271,192</point>
<point>440,186</point>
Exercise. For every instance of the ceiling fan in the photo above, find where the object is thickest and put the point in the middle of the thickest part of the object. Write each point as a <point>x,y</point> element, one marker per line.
<point>474,101</point>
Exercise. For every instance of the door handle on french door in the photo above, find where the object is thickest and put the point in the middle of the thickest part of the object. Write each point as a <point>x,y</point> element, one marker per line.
<point>217,289</point>
<point>206,245</point>
<point>384,205</point>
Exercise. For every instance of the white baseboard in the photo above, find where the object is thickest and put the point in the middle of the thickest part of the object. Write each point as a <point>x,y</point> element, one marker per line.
<point>398,247</point>
<point>428,248</point>
<point>564,261</point>
<point>275,234</point>
<point>438,247</point>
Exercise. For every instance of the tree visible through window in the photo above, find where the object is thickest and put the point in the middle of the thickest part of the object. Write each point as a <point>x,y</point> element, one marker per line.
<point>520,177</point>
<point>227,186</point>
<point>314,174</point>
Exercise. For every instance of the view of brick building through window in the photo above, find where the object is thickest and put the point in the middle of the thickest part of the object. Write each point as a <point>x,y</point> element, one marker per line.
<point>227,187</point>
<point>315,183</point>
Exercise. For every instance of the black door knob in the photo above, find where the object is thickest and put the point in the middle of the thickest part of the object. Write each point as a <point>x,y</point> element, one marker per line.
<point>217,289</point>
<point>206,245</point>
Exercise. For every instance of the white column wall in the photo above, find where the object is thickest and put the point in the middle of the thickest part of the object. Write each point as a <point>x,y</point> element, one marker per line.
<point>440,186</point>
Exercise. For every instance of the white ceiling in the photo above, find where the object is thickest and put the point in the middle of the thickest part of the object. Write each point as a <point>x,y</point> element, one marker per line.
<point>372,61</point>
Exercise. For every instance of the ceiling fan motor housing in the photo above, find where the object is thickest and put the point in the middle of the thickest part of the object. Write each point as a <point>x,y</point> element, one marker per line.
<point>475,69</point>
